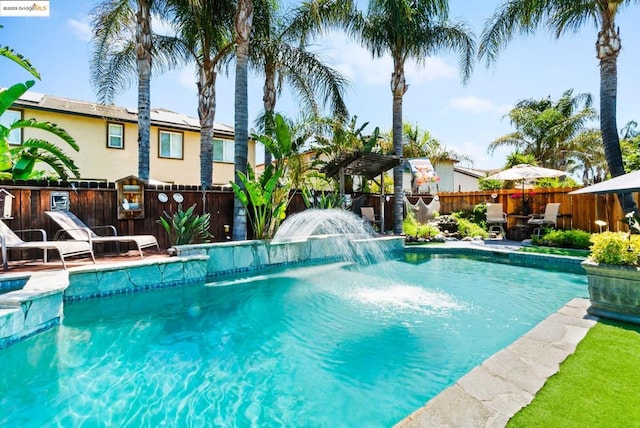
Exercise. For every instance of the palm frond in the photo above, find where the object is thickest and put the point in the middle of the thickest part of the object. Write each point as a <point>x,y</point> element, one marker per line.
<point>511,18</point>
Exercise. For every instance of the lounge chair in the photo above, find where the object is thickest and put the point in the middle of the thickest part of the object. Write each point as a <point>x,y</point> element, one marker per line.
<point>10,241</point>
<point>75,229</point>
<point>549,218</point>
<point>368,214</point>
<point>496,219</point>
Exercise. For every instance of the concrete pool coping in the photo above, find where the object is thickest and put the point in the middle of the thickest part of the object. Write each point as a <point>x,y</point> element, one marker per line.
<point>487,396</point>
<point>492,392</point>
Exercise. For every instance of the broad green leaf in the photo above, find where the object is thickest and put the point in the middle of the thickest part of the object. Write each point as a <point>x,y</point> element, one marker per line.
<point>12,94</point>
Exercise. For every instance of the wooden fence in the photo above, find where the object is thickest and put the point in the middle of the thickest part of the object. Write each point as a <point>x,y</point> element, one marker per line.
<point>95,204</point>
<point>576,211</point>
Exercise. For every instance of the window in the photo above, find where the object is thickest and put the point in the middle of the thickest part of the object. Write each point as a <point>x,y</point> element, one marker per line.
<point>10,116</point>
<point>171,145</point>
<point>223,150</point>
<point>115,135</point>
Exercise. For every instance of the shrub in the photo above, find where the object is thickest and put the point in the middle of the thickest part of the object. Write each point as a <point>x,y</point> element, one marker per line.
<point>575,238</point>
<point>411,227</point>
<point>477,215</point>
<point>615,248</point>
<point>185,227</point>
<point>470,229</point>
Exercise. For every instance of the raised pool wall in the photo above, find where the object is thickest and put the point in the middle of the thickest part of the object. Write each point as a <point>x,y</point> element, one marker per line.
<point>37,301</point>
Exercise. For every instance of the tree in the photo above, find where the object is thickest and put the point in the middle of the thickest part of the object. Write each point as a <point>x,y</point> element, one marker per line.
<point>546,129</point>
<point>410,29</point>
<point>279,51</point>
<point>563,16</point>
<point>630,144</point>
<point>202,36</point>
<point>111,17</point>
<point>243,25</point>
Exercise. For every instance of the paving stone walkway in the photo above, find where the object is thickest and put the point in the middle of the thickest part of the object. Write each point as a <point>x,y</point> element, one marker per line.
<point>491,393</point>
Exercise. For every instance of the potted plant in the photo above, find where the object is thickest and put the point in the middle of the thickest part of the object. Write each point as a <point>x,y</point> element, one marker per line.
<point>613,273</point>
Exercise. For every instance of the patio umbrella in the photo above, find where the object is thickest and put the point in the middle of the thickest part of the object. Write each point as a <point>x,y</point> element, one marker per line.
<point>624,183</point>
<point>524,172</point>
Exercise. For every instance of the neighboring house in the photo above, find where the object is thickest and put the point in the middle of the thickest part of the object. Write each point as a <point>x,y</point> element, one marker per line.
<point>108,140</point>
<point>467,179</point>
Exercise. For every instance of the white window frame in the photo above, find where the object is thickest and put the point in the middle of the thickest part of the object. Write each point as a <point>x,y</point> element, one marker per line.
<point>228,151</point>
<point>110,135</point>
<point>176,144</point>
<point>7,119</point>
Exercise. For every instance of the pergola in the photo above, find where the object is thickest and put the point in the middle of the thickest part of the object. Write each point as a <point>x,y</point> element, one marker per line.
<point>364,164</point>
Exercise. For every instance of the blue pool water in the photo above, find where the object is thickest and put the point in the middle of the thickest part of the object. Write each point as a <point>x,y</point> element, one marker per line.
<point>312,346</point>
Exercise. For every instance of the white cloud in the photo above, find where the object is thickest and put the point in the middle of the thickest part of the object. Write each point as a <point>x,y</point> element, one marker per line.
<point>80,28</point>
<point>187,78</point>
<point>358,65</point>
<point>471,104</point>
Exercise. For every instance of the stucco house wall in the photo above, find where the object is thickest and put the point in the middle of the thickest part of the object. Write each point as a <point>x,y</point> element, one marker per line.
<point>88,122</point>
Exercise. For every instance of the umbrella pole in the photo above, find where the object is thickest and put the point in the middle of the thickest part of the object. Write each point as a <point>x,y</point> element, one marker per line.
<point>523,204</point>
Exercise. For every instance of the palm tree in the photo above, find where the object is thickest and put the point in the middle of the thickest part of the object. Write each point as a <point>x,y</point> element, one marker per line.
<point>562,16</point>
<point>410,29</point>
<point>243,25</point>
<point>545,129</point>
<point>202,35</point>
<point>110,17</point>
<point>279,51</point>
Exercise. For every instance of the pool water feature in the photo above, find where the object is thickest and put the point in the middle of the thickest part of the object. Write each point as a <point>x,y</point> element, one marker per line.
<point>344,229</point>
<point>331,345</point>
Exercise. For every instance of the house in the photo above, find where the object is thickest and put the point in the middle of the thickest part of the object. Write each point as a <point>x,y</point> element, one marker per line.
<point>467,179</point>
<point>108,140</point>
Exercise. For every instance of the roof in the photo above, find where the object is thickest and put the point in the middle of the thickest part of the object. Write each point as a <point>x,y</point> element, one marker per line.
<point>365,164</point>
<point>159,116</point>
<point>475,173</point>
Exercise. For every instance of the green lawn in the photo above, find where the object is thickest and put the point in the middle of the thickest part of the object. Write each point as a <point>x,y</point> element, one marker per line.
<point>598,386</point>
<point>556,251</point>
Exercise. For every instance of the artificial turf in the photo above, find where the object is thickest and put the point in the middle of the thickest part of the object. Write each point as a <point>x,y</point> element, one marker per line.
<point>597,386</point>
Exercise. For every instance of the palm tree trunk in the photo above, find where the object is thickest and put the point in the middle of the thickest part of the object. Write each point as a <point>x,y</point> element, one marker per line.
<point>243,21</point>
<point>398,89</point>
<point>269,103</point>
<point>608,47</point>
<point>143,54</point>
<point>206,113</point>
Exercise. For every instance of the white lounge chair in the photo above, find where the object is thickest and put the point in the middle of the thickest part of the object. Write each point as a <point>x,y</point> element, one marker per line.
<point>496,219</point>
<point>75,229</point>
<point>10,241</point>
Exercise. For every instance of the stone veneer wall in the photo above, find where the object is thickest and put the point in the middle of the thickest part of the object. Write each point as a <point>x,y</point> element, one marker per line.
<point>229,257</point>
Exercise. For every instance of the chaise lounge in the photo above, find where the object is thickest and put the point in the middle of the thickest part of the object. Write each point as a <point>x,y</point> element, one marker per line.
<point>10,241</point>
<point>75,229</point>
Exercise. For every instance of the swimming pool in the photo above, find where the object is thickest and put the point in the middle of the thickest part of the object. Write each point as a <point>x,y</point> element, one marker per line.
<point>312,346</point>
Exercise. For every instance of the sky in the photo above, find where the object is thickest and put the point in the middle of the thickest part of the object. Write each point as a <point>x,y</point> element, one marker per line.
<point>463,117</point>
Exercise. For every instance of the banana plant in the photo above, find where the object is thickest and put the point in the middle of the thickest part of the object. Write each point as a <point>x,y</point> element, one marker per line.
<point>18,162</point>
<point>264,198</point>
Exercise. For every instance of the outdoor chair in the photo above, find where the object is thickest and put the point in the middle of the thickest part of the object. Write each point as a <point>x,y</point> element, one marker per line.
<point>496,219</point>
<point>10,241</point>
<point>368,214</point>
<point>75,229</point>
<point>549,218</point>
